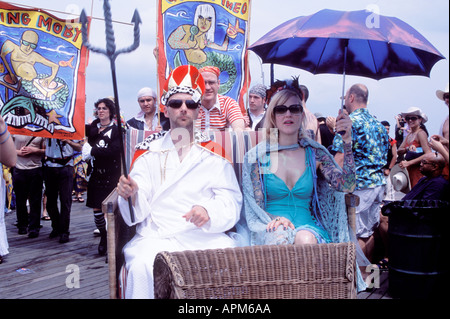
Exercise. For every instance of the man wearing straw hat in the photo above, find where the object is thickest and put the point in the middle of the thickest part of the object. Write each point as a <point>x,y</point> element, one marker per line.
<point>440,143</point>
<point>179,203</point>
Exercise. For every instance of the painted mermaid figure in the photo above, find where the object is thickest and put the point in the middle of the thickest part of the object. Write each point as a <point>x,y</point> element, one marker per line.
<point>194,39</point>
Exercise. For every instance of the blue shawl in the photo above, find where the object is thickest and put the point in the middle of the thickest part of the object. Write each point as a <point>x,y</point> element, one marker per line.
<point>328,204</point>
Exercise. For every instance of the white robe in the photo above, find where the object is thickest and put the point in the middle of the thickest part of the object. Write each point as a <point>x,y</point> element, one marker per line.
<point>168,190</point>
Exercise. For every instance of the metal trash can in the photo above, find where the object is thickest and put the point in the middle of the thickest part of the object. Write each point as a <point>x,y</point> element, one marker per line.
<point>418,248</point>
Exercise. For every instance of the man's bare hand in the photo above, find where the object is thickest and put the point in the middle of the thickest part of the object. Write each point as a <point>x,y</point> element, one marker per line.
<point>344,126</point>
<point>198,216</point>
<point>127,187</point>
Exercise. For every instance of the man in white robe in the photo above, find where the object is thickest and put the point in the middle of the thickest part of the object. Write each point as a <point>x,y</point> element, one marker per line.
<point>184,196</point>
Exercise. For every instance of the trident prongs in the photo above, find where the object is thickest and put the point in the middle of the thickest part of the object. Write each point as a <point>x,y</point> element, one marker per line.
<point>112,54</point>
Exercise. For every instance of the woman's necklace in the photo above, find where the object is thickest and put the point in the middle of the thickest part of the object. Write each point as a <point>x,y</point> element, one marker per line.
<point>103,127</point>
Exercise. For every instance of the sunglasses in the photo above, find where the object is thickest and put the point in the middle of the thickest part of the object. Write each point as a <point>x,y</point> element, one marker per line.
<point>26,43</point>
<point>411,118</point>
<point>282,109</point>
<point>176,104</point>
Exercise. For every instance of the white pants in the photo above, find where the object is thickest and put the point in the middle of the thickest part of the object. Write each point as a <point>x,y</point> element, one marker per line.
<point>139,264</point>
<point>368,211</point>
<point>140,255</point>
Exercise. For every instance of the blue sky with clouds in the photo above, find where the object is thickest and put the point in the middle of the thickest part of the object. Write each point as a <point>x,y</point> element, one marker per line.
<point>388,97</point>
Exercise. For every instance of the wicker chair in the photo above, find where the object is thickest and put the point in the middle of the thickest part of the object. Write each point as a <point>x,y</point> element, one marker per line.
<point>312,271</point>
<point>324,271</point>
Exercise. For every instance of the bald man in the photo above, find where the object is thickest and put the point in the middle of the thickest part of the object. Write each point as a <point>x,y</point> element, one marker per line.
<point>433,186</point>
<point>23,58</point>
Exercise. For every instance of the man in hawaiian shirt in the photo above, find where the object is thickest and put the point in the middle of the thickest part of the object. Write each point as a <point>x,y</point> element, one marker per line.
<point>370,148</point>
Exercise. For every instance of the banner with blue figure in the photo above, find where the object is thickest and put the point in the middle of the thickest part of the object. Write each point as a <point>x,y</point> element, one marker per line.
<point>42,74</point>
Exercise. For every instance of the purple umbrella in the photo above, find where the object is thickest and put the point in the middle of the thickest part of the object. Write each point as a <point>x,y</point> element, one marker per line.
<point>341,42</point>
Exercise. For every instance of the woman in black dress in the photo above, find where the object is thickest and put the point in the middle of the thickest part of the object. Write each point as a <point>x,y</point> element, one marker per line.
<point>104,144</point>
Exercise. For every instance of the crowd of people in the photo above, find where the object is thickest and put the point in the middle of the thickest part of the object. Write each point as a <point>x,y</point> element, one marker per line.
<point>50,174</point>
<point>282,204</point>
<point>292,189</point>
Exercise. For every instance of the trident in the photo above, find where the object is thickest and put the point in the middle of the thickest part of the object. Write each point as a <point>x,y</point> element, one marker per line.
<point>112,54</point>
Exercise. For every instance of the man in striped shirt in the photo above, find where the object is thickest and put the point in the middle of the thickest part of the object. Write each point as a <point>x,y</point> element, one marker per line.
<point>217,112</point>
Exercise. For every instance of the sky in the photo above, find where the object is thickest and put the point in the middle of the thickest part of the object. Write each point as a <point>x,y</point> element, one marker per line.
<point>387,97</point>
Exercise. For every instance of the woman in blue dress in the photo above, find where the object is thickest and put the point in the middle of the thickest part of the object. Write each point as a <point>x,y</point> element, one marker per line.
<point>293,188</point>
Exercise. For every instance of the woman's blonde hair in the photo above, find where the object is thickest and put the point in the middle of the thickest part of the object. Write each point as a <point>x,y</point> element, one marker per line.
<point>279,98</point>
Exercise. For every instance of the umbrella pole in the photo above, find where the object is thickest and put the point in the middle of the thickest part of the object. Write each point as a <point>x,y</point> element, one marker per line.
<point>343,84</point>
<point>272,74</point>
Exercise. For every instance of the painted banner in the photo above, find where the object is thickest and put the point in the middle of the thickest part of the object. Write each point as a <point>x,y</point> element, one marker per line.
<point>205,33</point>
<point>42,73</point>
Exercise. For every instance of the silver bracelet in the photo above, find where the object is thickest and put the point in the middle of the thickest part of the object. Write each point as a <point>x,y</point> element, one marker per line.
<point>6,129</point>
<point>1,143</point>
